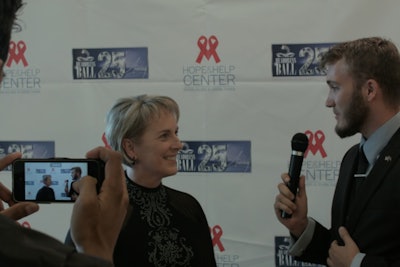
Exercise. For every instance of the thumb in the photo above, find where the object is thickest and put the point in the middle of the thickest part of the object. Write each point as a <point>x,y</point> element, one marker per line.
<point>86,187</point>
<point>344,235</point>
<point>302,186</point>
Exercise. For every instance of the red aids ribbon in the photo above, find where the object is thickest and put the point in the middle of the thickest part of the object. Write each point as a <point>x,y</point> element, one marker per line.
<point>315,143</point>
<point>209,52</point>
<point>216,237</point>
<point>26,224</point>
<point>16,53</point>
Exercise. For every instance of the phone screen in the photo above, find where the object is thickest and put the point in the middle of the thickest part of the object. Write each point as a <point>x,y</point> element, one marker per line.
<point>50,180</point>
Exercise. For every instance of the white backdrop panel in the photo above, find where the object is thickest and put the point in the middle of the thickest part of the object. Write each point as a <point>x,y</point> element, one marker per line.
<point>259,108</point>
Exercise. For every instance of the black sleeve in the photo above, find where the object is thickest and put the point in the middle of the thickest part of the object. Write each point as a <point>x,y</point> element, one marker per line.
<point>191,208</point>
<point>317,250</point>
<point>372,261</point>
<point>53,195</point>
<point>39,194</point>
<point>71,190</point>
<point>207,250</point>
<point>21,247</point>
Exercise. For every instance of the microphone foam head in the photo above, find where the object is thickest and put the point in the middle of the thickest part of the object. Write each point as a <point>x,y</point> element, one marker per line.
<point>300,142</point>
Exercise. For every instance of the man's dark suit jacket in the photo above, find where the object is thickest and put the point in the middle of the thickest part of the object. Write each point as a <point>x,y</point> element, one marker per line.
<point>22,247</point>
<point>373,221</point>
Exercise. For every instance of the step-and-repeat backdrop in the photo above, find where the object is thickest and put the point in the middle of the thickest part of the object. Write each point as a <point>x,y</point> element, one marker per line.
<point>246,77</point>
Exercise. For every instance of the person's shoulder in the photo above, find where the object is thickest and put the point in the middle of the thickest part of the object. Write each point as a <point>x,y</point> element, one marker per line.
<point>352,150</point>
<point>177,192</point>
<point>183,196</point>
<point>354,147</point>
<point>186,204</point>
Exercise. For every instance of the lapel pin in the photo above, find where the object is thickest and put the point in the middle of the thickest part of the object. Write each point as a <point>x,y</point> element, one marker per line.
<point>388,158</point>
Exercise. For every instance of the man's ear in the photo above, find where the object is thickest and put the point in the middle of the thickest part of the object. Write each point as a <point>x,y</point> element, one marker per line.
<point>372,87</point>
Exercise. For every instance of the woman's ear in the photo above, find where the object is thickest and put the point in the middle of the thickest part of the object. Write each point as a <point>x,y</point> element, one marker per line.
<point>129,147</point>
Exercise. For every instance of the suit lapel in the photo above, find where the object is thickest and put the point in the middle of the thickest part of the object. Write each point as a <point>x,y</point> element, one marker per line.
<point>375,178</point>
<point>343,189</point>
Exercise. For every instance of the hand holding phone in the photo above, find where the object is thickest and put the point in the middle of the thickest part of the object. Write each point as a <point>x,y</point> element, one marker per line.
<point>15,210</point>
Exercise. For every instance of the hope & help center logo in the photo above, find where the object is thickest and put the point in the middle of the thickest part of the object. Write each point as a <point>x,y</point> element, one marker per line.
<point>208,74</point>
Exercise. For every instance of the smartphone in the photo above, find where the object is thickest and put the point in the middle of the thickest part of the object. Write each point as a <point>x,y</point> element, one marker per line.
<point>50,180</point>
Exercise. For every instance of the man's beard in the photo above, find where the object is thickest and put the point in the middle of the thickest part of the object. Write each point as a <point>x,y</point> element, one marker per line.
<point>353,117</point>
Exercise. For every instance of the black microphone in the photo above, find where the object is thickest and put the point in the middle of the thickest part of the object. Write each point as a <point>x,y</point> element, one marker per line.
<point>299,146</point>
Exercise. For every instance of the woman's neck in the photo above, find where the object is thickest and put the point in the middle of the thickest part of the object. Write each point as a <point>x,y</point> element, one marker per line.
<point>141,180</point>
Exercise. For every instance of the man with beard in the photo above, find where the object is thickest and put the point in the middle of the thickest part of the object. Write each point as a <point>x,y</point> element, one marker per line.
<point>76,173</point>
<point>364,92</point>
